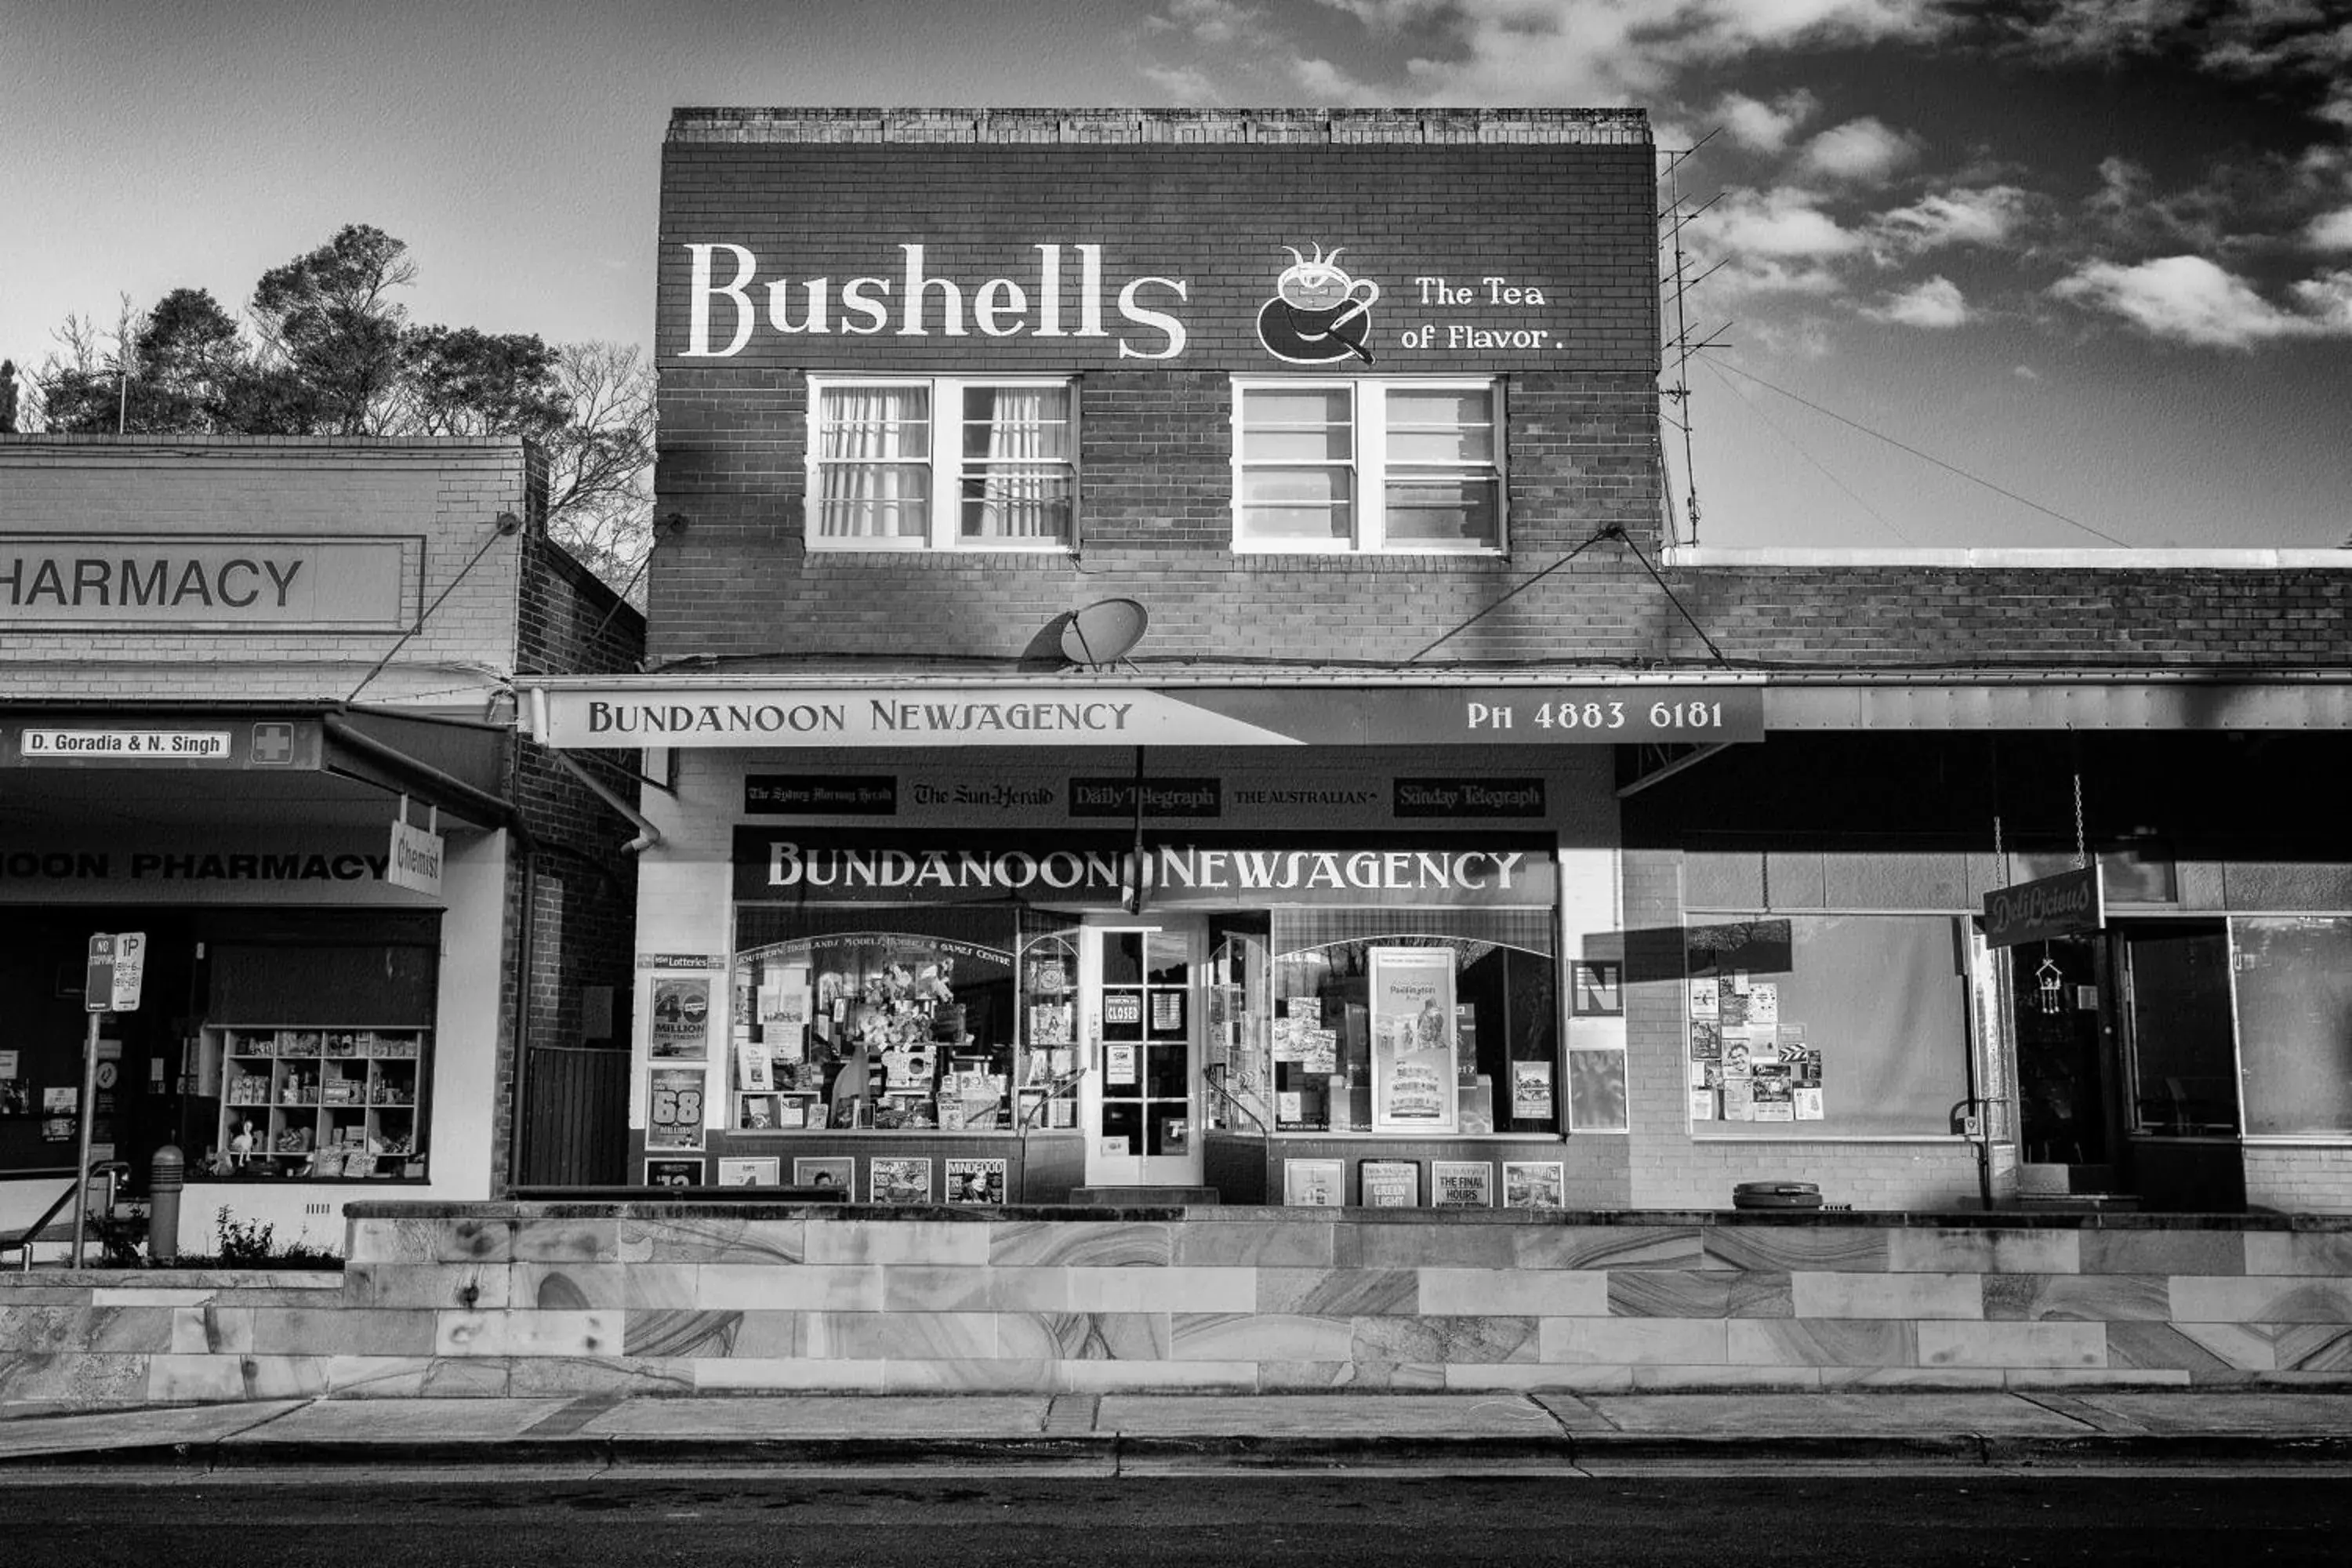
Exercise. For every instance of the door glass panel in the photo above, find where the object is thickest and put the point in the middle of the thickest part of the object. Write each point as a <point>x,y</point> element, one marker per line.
<point>2061,1090</point>
<point>2184,1074</point>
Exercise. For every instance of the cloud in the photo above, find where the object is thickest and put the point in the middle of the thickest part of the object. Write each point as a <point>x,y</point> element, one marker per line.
<point>1784,223</point>
<point>1528,52</point>
<point>1935,304</point>
<point>1765,127</point>
<point>2189,299</point>
<point>1864,151</point>
<point>1324,82</point>
<point>1185,87</point>
<point>1986,215</point>
<point>2332,231</point>
<point>1215,23</point>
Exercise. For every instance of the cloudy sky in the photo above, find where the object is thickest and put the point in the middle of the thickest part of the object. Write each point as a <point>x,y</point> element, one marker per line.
<point>2094,254</point>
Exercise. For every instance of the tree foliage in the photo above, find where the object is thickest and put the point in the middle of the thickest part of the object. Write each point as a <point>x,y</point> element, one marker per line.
<point>332,353</point>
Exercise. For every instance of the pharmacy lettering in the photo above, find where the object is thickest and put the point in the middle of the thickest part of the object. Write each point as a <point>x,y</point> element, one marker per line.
<point>1082,870</point>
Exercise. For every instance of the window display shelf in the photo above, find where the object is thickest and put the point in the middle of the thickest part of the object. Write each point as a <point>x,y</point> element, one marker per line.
<point>316,1104</point>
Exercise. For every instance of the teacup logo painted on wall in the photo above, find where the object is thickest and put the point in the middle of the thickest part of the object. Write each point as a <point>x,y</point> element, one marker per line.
<point>1318,314</point>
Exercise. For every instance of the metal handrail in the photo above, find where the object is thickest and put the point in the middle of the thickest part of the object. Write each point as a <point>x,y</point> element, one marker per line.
<point>1062,1086</point>
<point>112,1169</point>
<point>1209,1076</point>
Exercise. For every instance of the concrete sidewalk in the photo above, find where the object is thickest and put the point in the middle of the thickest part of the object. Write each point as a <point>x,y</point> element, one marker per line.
<point>1114,1435</point>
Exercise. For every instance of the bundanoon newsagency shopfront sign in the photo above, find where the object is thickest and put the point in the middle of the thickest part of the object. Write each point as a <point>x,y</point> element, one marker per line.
<point>716,716</point>
<point>1221,872</point>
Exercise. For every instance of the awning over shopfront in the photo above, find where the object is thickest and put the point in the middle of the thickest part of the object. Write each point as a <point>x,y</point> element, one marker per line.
<point>1709,707</point>
<point>261,765</point>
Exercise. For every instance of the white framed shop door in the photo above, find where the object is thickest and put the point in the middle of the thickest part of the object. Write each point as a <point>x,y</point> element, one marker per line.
<point>1139,1005</point>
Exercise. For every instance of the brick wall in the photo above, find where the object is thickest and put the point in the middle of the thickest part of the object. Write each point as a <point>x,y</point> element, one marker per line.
<point>448,492</point>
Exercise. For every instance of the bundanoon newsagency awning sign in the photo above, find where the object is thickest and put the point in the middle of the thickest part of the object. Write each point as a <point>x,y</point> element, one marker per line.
<point>722,716</point>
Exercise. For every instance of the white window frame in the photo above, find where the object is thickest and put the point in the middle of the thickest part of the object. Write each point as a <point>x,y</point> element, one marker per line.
<point>945,465</point>
<point>1367,416</point>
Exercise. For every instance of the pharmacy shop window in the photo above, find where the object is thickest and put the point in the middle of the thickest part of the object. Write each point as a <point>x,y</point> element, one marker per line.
<point>1442,1022</point>
<point>942,463</point>
<point>1367,467</point>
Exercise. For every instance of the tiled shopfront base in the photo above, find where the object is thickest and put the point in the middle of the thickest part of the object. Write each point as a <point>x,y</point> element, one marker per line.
<point>524,1299</point>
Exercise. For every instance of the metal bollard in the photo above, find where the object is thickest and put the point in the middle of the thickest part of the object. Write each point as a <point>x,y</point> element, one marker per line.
<point>166,1174</point>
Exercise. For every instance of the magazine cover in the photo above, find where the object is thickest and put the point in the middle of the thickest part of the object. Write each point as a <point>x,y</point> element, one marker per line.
<point>976,1181</point>
<point>1390,1183</point>
<point>898,1181</point>
<point>673,1173</point>
<point>756,1172</point>
<point>1461,1185</point>
<point>1413,1039</point>
<point>1312,1184</point>
<point>838,1171</point>
<point>1534,1185</point>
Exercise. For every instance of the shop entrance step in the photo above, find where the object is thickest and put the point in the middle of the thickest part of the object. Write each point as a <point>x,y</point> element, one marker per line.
<point>1149,1198</point>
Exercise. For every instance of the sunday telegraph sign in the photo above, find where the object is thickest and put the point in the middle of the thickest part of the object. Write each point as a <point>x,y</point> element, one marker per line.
<point>1133,716</point>
<point>192,583</point>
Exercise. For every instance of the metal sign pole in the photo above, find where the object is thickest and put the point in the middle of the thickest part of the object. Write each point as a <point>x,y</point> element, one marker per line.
<point>82,1166</point>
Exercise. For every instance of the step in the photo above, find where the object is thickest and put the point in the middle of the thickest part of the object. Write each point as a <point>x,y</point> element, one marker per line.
<point>1142,1197</point>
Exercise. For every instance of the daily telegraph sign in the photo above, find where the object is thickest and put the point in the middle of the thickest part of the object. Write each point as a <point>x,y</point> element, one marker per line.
<point>192,582</point>
<point>754,719</point>
<point>794,866</point>
<point>2063,905</point>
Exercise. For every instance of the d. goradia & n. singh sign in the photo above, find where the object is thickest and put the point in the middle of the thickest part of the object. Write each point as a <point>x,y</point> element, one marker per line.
<point>599,718</point>
<point>1214,870</point>
<point>192,583</point>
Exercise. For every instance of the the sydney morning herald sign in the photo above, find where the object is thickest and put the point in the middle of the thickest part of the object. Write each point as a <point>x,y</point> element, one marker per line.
<point>1381,260</point>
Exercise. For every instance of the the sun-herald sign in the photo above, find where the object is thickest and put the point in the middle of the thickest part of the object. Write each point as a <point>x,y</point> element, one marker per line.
<point>777,717</point>
<point>2070,902</point>
<point>190,582</point>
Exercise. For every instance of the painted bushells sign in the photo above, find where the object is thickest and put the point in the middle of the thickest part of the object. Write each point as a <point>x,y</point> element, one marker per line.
<point>1387,258</point>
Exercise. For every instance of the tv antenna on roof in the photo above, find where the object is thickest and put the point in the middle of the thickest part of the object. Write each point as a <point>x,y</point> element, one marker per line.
<point>1680,347</point>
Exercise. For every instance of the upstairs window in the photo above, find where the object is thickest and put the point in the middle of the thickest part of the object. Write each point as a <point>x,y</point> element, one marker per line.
<point>942,463</point>
<point>1371,465</point>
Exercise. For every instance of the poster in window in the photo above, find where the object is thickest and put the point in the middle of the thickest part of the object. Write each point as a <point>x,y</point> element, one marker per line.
<point>1770,1093</point>
<point>976,1181</point>
<point>674,1109</point>
<point>1597,988</point>
<point>757,1113</point>
<point>1413,1039</point>
<point>1167,1011</point>
<point>756,1172</point>
<point>1390,1183</point>
<point>1706,1042</point>
<point>1461,1185</point>
<point>1702,1005</point>
<point>898,1181</point>
<point>755,1070</point>
<point>1118,1065</point>
<point>1530,1091</point>
<point>1739,1098</point>
<point>1313,1184</point>
<point>673,1173</point>
<point>1534,1185</point>
<point>1702,1105</point>
<point>1805,1100</point>
<point>681,1017</point>
<point>1763,1002</point>
<point>835,1173</point>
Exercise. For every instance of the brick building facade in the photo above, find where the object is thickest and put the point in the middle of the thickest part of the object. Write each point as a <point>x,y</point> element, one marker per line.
<point>1215,563</point>
<point>226,666</point>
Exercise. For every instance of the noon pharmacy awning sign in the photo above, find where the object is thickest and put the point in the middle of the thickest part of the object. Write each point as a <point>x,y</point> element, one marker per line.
<point>758,718</point>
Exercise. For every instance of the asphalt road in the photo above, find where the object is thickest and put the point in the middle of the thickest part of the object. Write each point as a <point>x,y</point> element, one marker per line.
<point>1214,1521</point>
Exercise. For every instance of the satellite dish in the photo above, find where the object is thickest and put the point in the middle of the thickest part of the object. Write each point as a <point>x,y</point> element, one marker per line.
<point>1103,631</point>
